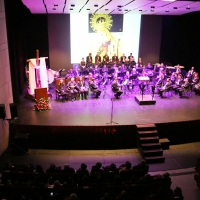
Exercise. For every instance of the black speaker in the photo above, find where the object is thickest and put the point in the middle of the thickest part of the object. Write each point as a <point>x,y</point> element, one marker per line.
<point>20,143</point>
<point>2,111</point>
<point>13,111</point>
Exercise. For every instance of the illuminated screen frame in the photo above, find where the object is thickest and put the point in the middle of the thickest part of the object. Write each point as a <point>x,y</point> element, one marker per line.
<point>81,38</point>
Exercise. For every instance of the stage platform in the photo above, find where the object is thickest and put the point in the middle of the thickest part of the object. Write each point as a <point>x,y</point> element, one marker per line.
<point>83,124</point>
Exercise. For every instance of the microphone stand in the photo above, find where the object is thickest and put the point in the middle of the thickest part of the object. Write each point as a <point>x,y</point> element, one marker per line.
<point>111,117</point>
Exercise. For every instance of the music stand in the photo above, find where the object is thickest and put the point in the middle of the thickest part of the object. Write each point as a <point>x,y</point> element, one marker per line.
<point>111,117</point>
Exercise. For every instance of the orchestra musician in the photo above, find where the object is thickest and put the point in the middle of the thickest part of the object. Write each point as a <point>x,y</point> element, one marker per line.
<point>184,87</point>
<point>195,79</point>
<point>115,59</point>
<point>123,58</point>
<point>83,69</point>
<point>179,81</point>
<point>197,88</point>
<point>94,88</point>
<point>127,82</point>
<point>69,74</point>
<point>140,64</point>
<point>105,59</point>
<point>190,73</point>
<point>160,82</point>
<point>89,60</point>
<point>97,59</point>
<point>61,87</point>
<point>72,89</point>
<point>127,63</point>
<point>83,89</point>
<point>178,69</point>
<point>173,78</point>
<point>116,88</point>
<point>130,57</point>
<point>164,88</point>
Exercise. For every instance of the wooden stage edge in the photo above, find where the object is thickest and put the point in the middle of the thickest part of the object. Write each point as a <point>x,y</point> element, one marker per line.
<point>99,137</point>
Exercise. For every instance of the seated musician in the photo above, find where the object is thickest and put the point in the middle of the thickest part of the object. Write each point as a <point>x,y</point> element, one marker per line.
<point>178,69</point>
<point>127,82</point>
<point>190,73</point>
<point>116,88</point>
<point>83,89</point>
<point>140,63</point>
<point>173,78</point>
<point>94,88</point>
<point>184,87</point>
<point>149,66</point>
<point>179,81</point>
<point>72,89</point>
<point>61,87</point>
<point>159,84</point>
<point>70,74</point>
<point>134,71</point>
<point>127,62</point>
<point>165,88</point>
<point>195,79</point>
<point>197,88</point>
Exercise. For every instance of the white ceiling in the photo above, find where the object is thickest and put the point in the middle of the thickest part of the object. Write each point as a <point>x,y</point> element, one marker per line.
<point>145,7</point>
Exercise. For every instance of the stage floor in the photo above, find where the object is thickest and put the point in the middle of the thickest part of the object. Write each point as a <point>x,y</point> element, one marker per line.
<point>97,112</point>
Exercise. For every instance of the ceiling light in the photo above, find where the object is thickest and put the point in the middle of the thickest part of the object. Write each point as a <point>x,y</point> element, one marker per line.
<point>167,11</point>
<point>188,8</point>
<point>140,10</point>
<point>72,5</point>
<point>119,6</point>
<point>175,8</point>
<point>169,0</point>
<point>152,6</point>
<point>106,9</point>
<point>95,5</point>
<point>87,9</point>
<point>55,4</point>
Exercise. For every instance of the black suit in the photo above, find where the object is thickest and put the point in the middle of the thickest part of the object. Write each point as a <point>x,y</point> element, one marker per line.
<point>97,59</point>
<point>115,59</point>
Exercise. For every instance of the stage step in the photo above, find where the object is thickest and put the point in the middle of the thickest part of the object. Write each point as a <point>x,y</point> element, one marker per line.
<point>150,146</point>
<point>164,143</point>
<point>153,152</point>
<point>149,143</point>
<point>155,159</point>
<point>145,140</point>
<point>150,133</point>
<point>144,127</point>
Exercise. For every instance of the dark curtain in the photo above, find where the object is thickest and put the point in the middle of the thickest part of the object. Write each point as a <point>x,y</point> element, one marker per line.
<point>26,33</point>
<point>180,40</point>
<point>150,38</point>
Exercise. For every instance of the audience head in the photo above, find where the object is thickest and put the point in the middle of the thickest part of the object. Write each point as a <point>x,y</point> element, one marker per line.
<point>98,165</point>
<point>178,192</point>
<point>56,184</point>
<point>83,166</point>
<point>128,165</point>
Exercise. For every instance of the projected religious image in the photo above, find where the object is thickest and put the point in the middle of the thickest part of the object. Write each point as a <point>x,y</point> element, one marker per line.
<point>105,34</point>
